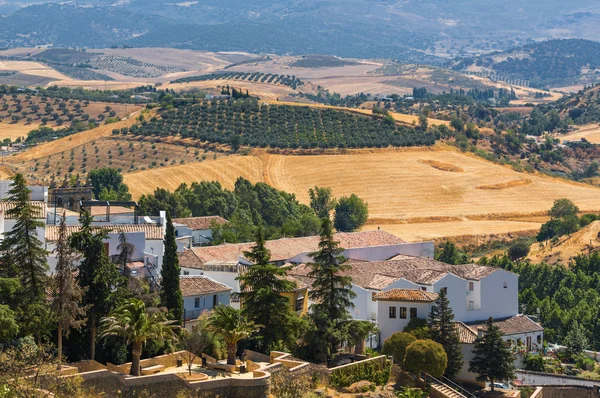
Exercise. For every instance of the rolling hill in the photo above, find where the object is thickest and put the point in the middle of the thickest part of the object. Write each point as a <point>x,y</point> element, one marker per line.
<point>553,63</point>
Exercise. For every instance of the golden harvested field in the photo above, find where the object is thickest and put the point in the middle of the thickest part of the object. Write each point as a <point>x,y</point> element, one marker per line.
<point>265,91</point>
<point>15,130</point>
<point>32,68</point>
<point>400,117</point>
<point>397,185</point>
<point>590,132</point>
<point>415,232</point>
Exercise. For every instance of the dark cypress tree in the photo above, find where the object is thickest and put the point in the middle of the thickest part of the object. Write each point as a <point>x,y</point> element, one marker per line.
<point>99,278</point>
<point>331,291</point>
<point>171,292</point>
<point>443,331</point>
<point>260,294</point>
<point>492,359</point>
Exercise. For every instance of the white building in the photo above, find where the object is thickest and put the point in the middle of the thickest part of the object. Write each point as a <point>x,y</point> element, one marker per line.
<point>396,308</point>
<point>201,294</point>
<point>199,229</point>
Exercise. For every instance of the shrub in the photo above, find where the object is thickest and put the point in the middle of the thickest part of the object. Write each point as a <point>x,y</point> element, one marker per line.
<point>534,363</point>
<point>375,371</point>
<point>418,328</point>
<point>396,345</point>
<point>426,356</point>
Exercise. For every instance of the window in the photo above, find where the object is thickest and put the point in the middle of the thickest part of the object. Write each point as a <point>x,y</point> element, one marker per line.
<point>505,284</point>
<point>197,302</point>
<point>528,342</point>
<point>471,286</point>
<point>444,289</point>
<point>186,272</point>
<point>215,300</point>
<point>402,312</point>
<point>393,312</point>
<point>471,305</point>
<point>413,313</point>
<point>423,288</point>
<point>539,339</point>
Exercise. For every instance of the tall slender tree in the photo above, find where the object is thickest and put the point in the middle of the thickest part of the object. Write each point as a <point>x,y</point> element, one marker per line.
<point>331,290</point>
<point>23,253</point>
<point>171,291</point>
<point>103,285</point>
<point>321,201</point>
<point>66,293</point>
<point>492,359</point>
<point>443,331</point>
<point>126,251</point>
<point>261,288</point>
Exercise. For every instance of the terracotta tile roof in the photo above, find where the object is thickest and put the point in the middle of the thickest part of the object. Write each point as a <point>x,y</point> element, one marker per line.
<point>153,232</point>
<point>286,248</point>
<point>465,333</point>
<point>406,295</point>
<point>188,259</point>
<point>377,275</point>
<point>300,285</point>
<point>200,223</point>
<point>198,285</point>
<point>517,324</point>
<point>40,208</point>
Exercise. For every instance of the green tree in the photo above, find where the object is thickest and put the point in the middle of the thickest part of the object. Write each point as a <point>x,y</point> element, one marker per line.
<point>443,331</point>
<point>171,296</point>
<point>576,339</point>
<point>449,254</point>
<point>236,142</point>
<point>331,290</point>
<point>492,359</point>
<point>261,287</point>
<point>396,345</point>
<point>518,250</point>
<point>131,322</point>
<point>23,254</point>
<point>66,295</point>
<point>418,328</point>
<point>108,178</point>
<point>161,199</point>
<point>426,356</point>
<point>351,213</point>
<point>98,277</point>
<point>233,326</point>
<point>126,251</point>
<point>563,208</point>
<point>321,201</point>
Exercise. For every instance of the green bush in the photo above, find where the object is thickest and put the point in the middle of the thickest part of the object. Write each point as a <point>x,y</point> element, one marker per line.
<point>426,356</point>
<point>534,363</point>
<point>375,371</point>
<point>396,345</point>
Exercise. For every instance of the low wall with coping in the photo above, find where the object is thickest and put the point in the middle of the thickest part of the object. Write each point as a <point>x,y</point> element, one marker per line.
<point>87,365</point>
<point>167,360</point>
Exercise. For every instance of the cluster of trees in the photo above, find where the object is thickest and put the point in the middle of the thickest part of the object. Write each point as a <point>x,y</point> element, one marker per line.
<point>279,126</point>
<point>271,78</point>
<point>108,184</point>
<point>256,205</point>
<point>564,220</point>
<point>324,96</point>
<point>433,346</point>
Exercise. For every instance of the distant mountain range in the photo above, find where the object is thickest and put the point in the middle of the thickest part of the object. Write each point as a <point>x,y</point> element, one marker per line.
<point>411,30</point>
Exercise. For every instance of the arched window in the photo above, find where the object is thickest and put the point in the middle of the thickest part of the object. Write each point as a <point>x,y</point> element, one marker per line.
<point>60,202</point>
<point>71,203</point>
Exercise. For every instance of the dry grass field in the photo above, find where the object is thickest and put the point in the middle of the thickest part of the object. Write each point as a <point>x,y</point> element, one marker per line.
<point>584,241</point>
<point>590,132</point>
<point>399,186</point>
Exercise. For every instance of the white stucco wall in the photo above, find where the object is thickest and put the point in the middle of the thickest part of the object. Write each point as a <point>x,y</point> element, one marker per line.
<point>226,278</point>
<point>457,289</point>
<point>206,304</point>
<point>156,247</point>
<point>361,303</point>
<point>497,301</point>
<point>389,326</point>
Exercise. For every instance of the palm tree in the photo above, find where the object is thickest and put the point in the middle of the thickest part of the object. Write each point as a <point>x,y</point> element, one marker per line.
<point>132,322</point>
<point>233,326</point>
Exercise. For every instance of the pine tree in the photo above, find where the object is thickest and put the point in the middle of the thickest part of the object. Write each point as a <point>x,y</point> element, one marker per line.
<point>23,254</point>
<point>492,359</point>
<point>100,279</point>
<point>331,291</point>
<point>443,331</point>
<point>66,293</point>
<point>260,295</point>
<point>171,292</point>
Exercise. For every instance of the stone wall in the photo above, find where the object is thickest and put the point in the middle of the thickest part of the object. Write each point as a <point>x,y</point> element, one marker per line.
<point>167,360</point>
<point>87,365</point>
<point>569,392</point>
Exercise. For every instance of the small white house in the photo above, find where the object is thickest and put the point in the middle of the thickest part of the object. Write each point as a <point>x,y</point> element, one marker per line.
<point>199,229</point>
<point>521,332</point>
<point>200,294</point>
<point>396,308</point>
